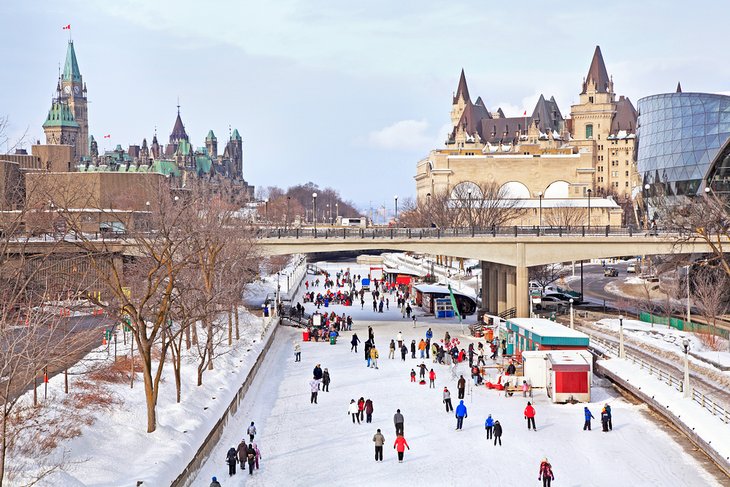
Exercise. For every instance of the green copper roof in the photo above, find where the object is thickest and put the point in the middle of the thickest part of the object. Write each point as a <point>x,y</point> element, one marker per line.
<point>235,135</point>
<point>166,168</point>
<point>184,148</point>
<point>71,68</point>
<point>211,135</point>
<point>203,164</point>
<point>60,115</point>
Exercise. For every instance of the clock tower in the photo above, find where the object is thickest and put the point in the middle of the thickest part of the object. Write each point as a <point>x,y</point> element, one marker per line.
<point>73,94</point>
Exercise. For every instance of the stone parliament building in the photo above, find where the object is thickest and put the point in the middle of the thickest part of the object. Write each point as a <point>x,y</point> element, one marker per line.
<point>71,156</point>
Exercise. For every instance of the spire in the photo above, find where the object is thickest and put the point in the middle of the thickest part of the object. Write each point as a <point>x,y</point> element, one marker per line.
<point>178,130</point>
<point>71,68</point>
<point>462,90</point>
<point>235,135</point>
<point>597,73</point>
<point>210,136</point>
<point>679,87</point>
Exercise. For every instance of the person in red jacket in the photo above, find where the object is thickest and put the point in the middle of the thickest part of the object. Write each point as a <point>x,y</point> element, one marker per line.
<point>432,379</point>
<point>400,446</point>
<point>530,416</point>
<point>546,473</point>
<point>361,408</point>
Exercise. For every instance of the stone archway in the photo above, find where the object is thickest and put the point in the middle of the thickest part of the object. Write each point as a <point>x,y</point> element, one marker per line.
<point>515,190</point>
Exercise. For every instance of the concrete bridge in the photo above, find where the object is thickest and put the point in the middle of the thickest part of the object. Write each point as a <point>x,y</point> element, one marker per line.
<point>505,255</point>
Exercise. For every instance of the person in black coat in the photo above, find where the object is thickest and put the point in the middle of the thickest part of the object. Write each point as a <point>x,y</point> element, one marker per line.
<point>413,349</point>
<point>497,433</point>
<point>461,385</point>
<point>353,343</point>
<point>403,352</point>
<point>326,381</point>
<point>231,459</point>
<point>251,457</point>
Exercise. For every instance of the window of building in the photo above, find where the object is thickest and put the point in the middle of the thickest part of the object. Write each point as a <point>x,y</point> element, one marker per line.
<point>589,128</point>
<point>614,174</point>
<point>590,99</point>
<point>627,184</point>
<point>627,175</point>
<point>600,168</point>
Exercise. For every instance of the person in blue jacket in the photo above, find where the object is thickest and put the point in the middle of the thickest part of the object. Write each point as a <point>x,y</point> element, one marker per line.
<point>489,426</point>
<point>588,416</point>
<point>460,415</point>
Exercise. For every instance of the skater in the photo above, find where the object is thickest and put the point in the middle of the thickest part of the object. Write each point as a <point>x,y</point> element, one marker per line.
<point>471,355</point>
<point>607,407</point>
<point>480,356</point>
<point>413,375</point>
<point>604,420</point>
<point>314,385</point>
<point>317,372</point>
<point>325,381</point>
<point>374,357</point>
<point>530,416</point>
<point>413,349</point>
<point>353,343</point>
<point>497,433</point>
<point>429,334</point>
<point>353,412</point>
<point>422,371</point>
<point>241,451</point>
<point>447,400</point>
<point>432,379</point>
<point>400,446</point>
<point>251,457</point>
<point>422,348</point>
<point>525,388</point>
<point>398,421</point>
<point>489,426</point>
<point>588,417</point>
<point>371,335</point>
<point>461,385</point>
<point>408,310</point>
<point>361,408</point>
<point>546,473</point>
<point>379,440</point>
<point>251,431</point>
<point>460,415</point>
<point>399,337</point>
<point>391,353</point>
<point>215,483</point>
<point>232,459</point>
<point>504,347</point>
<point>511,369</point>
<point>297,352</point>
<point>258,455</point>
<point>369,411</point>
<point>403,352</point>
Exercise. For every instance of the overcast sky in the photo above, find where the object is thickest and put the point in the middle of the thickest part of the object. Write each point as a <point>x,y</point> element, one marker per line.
<point>345,94</point>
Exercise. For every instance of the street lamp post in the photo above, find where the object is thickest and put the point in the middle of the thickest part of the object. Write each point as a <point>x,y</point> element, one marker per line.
<point>337,211</point>
<point>288,201</point>
<point>621,351</point>
<point>266,209</point>
<point>689,315</point>
<point>589,208</point>
<point>396,210</point>
<point>687,389</point>
<point>471,217</point>
<point>647,187</point>
<point>539,225</point>
<point>572,315</point>
<point>314,211</point>
<point>329,213</point>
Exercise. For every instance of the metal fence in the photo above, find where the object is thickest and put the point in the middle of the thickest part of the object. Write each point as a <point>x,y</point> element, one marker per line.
<point>326,232</point>
<point>700,398</point>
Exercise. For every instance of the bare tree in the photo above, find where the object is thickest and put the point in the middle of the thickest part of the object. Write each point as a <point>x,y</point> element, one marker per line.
<point>484,206</point>
<point>544,275</point>
<point>564,215</point>
<point>710,294</point>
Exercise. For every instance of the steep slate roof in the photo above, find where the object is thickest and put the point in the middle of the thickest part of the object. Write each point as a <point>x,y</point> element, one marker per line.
<point>210,136</point>
<point>548,113</point>
<point>71,68</point>
<point>235,135</point>
<point>178,130</point>
<point>462,90</point>
<point>625,116</point>
<point>597,73</point>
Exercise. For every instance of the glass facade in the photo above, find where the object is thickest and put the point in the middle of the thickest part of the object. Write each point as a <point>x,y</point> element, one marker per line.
<point>679,137</point>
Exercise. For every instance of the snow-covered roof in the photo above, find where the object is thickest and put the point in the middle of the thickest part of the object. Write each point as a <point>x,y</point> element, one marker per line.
<point>402,270</point>
<point>436,289</point>
<point>546,328</point>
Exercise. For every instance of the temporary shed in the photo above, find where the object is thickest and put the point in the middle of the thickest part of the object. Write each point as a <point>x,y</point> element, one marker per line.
<point>525,334</point>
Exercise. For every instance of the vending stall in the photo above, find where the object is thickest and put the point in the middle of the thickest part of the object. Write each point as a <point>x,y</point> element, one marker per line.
<point>540,334</point>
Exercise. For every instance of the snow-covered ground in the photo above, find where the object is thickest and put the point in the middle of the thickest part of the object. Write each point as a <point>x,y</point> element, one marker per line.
<point>114,449</point>
<point>305,444</point>
<point>670,339</point>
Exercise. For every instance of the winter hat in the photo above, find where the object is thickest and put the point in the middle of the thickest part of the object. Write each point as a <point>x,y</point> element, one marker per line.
<point>215,479</point>
<point>545,460</point>
<point>489,415</point>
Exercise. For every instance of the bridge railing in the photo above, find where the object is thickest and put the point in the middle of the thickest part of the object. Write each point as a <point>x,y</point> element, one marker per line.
<point>328,232</point>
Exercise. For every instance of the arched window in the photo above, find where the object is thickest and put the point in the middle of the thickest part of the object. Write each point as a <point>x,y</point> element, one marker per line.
<point>465,189</point>
<point>514,189</point>
<point>558,189</point>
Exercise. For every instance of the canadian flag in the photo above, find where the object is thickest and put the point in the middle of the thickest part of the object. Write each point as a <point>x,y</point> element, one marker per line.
<point>67,27</point>
<point>524,114</point>
<point>108,136</point>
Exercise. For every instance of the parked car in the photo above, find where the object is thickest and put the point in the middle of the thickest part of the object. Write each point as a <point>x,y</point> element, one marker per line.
<point>610,272</point>
<point>552,302</point>
<point>631,268</point>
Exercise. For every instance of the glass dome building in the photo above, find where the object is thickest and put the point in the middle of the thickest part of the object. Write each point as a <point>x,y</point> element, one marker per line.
<point>683,143</point>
